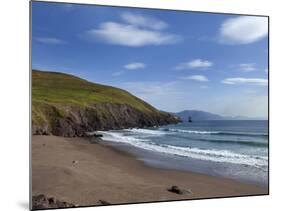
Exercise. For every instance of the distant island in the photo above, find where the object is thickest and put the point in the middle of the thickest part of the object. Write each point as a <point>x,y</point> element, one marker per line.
<point>197,115</point>
<point>65,105</point>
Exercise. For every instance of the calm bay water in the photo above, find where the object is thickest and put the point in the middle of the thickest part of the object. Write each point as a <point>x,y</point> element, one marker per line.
<point>233,149</point>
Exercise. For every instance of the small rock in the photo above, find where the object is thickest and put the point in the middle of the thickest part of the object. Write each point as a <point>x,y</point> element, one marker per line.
<point>188,191</point>
<point>51,200</point>
<point>43,202</point>
<point>103,202</point>
<point>74,161</point>
<point>175,189</point>
<point>39,200</point>
<point>98,135</point>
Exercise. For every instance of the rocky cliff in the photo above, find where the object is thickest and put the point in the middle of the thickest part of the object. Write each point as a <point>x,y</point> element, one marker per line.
<point>66,105</point>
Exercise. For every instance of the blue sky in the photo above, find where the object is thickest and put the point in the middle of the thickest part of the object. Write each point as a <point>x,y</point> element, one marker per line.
<point>173,60</point>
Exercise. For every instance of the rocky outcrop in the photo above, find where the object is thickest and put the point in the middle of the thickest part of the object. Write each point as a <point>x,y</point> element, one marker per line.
<point>43,202</point>
<point>65,105</point>
<point>71,120</point>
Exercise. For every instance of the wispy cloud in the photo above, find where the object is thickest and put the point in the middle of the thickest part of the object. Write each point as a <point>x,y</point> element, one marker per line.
<point>129,67</point>
<point>49,40</point>
<point>243,30</point>
<point>134,66</point>
<point>131,35</point>
<point>251,81</point>
<point>266,70</point>
<point>136,31</point>
<point>157,92</point>
<point>151,87</point>
<point>249,67</point>
<point>143,21</point>
<point>118,73</point>
<point>197,63</point>
<point>200,78</point>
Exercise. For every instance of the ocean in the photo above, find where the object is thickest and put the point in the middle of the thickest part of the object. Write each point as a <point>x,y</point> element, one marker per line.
<point>232,149</point>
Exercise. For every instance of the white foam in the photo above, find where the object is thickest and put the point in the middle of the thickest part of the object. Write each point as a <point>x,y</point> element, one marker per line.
<point>196,153</point>
<point>147,132</point>
<point>193,131</point>
<point>215,132</point>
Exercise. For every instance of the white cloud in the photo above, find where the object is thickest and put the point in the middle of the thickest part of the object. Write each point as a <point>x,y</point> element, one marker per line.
<point>118,73</point>
<point>134,66</point>
<point>182,96</point>
<point>131,35</point>
<point>243,30</point>
<point>49,40</point>
<point>200,78</point>
<point>197,63</point>
<point>251,81</point>
<point>239,104</point>
<point>247,67</point>
<point>143,21</point>
<point>130,66</point>
<point>157,93</point>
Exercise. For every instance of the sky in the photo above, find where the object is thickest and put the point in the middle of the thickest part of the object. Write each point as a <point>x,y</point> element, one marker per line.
<point>173,60</point>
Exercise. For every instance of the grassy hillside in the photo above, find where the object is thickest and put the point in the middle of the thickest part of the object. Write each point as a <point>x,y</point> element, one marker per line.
<point>61,101</point>
<point>53,87</point>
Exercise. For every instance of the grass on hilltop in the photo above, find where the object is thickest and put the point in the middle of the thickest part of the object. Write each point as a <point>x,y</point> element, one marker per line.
<point>59,89</point>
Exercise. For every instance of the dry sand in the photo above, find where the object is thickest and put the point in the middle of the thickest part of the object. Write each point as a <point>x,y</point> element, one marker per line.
<point>75,171</point>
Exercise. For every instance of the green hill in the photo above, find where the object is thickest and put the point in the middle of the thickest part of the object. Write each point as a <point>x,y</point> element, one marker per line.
<point>66,105</point>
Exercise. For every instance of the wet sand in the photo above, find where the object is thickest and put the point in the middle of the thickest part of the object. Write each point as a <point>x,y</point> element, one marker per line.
<point>83,173</point>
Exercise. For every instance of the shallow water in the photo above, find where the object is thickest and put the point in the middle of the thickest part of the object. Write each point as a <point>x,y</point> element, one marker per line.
<point>233,149</point>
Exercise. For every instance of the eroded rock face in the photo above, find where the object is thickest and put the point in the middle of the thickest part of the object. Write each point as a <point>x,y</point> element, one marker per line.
<point>43,202</point>
<point>77,121</point>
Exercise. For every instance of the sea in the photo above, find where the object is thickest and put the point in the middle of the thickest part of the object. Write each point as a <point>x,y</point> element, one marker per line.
<point>236,149</point>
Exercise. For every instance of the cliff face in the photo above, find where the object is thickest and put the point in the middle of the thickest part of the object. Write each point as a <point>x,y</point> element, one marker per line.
<point>65,105</point>
<point>71,120</point>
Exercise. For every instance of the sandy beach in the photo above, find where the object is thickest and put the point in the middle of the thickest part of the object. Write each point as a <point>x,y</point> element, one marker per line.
<point>83,173</point>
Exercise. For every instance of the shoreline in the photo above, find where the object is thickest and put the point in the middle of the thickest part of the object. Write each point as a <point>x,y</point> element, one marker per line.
<point>177,164</point>
<point>83,173</point>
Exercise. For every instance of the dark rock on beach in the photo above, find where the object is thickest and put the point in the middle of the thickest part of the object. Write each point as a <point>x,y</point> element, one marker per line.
<point>97,135</point>
<point>103,202</point>
<point>43,202</point>
<point>175,189</point>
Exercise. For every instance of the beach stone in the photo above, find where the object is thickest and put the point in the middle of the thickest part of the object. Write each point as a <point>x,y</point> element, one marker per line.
<point>39,201</point>
<point>51,200</point>
<point>98,135</point>
<point>43,202</point>
<point>189,191</point>
<point>74,161</point>
<point>103,202</point>
<point>175,189</point>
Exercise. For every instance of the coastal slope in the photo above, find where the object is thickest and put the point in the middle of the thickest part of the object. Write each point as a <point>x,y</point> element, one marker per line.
<point>65,105</point>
